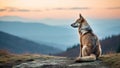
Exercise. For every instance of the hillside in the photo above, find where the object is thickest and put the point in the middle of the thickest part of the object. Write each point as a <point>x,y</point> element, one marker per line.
<point>16,44</point>
<point>109,45</point>
<point>40,33</point>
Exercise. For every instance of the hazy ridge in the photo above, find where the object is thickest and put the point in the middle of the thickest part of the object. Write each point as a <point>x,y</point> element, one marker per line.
<point>19,45</point>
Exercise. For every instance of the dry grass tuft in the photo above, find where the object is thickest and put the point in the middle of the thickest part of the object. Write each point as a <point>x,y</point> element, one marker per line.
<point>8,59</point>
<point>113,60</point>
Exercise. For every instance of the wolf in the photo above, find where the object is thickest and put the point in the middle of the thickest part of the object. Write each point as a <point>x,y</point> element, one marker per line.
<point>90,48</point>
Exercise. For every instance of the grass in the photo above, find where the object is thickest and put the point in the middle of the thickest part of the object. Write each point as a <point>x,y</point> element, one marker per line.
<point>112,60</point>
<point>8,59</point>
<point>23,57</point>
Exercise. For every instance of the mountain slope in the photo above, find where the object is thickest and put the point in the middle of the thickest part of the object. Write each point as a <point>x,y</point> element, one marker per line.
<point>110,44</point>
<point>38,32</point>
<point>19,45</point>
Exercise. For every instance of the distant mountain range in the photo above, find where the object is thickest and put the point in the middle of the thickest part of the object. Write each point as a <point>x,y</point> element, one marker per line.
<point>16,44</point>
<point>60,36</point>
<point>56,36</point>
<point>109,45</point>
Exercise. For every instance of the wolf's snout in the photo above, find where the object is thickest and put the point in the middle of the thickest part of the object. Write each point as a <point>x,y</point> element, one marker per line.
<point>72,25</point>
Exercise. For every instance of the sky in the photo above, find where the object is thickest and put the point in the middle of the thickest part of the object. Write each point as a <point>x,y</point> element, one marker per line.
<point>60,9</point>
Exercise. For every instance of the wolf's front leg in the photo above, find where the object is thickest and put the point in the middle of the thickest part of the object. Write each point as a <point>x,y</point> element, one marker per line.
<point>80,55</point>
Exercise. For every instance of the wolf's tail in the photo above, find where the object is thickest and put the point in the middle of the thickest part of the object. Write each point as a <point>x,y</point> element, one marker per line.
<point>92,57</point>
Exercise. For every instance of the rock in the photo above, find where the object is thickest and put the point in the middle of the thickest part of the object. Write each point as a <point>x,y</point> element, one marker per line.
<point>60,63</point>
<point>95,64</point>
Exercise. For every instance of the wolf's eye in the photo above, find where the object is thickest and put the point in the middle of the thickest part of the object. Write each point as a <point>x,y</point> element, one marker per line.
<point>78,20</point>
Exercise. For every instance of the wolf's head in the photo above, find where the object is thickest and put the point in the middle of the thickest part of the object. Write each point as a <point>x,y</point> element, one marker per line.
<point>78,22</point>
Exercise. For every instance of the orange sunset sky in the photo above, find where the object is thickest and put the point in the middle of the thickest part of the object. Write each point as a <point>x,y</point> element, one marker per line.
<point>63,9</point>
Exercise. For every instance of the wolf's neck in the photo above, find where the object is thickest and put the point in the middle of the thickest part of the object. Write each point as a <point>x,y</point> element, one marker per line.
<point>85,28</point>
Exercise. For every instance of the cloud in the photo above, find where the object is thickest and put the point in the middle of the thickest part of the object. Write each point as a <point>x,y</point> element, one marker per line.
<point>23,10</point>
<point>36,10</point>
<point>113,8</point>
<point>73,8</point>
<point>13,9</point>
<point>79,8</point>
<point>60,8</point>
<point>1,10</point>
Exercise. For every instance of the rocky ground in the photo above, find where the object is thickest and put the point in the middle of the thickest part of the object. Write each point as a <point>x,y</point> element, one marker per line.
<point>8,60</point>
<point>60,62</point>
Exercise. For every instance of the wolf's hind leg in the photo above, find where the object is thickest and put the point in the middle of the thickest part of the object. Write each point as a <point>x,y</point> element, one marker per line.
<point>86,55</point>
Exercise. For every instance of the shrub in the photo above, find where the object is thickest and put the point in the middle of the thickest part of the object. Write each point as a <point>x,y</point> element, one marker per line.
<point>4,52</point>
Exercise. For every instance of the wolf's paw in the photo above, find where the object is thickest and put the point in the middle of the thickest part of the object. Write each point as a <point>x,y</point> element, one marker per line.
<point>78,59</point>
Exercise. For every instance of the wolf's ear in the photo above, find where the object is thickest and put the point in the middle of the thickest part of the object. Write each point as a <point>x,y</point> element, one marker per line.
<point>80,15</point>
